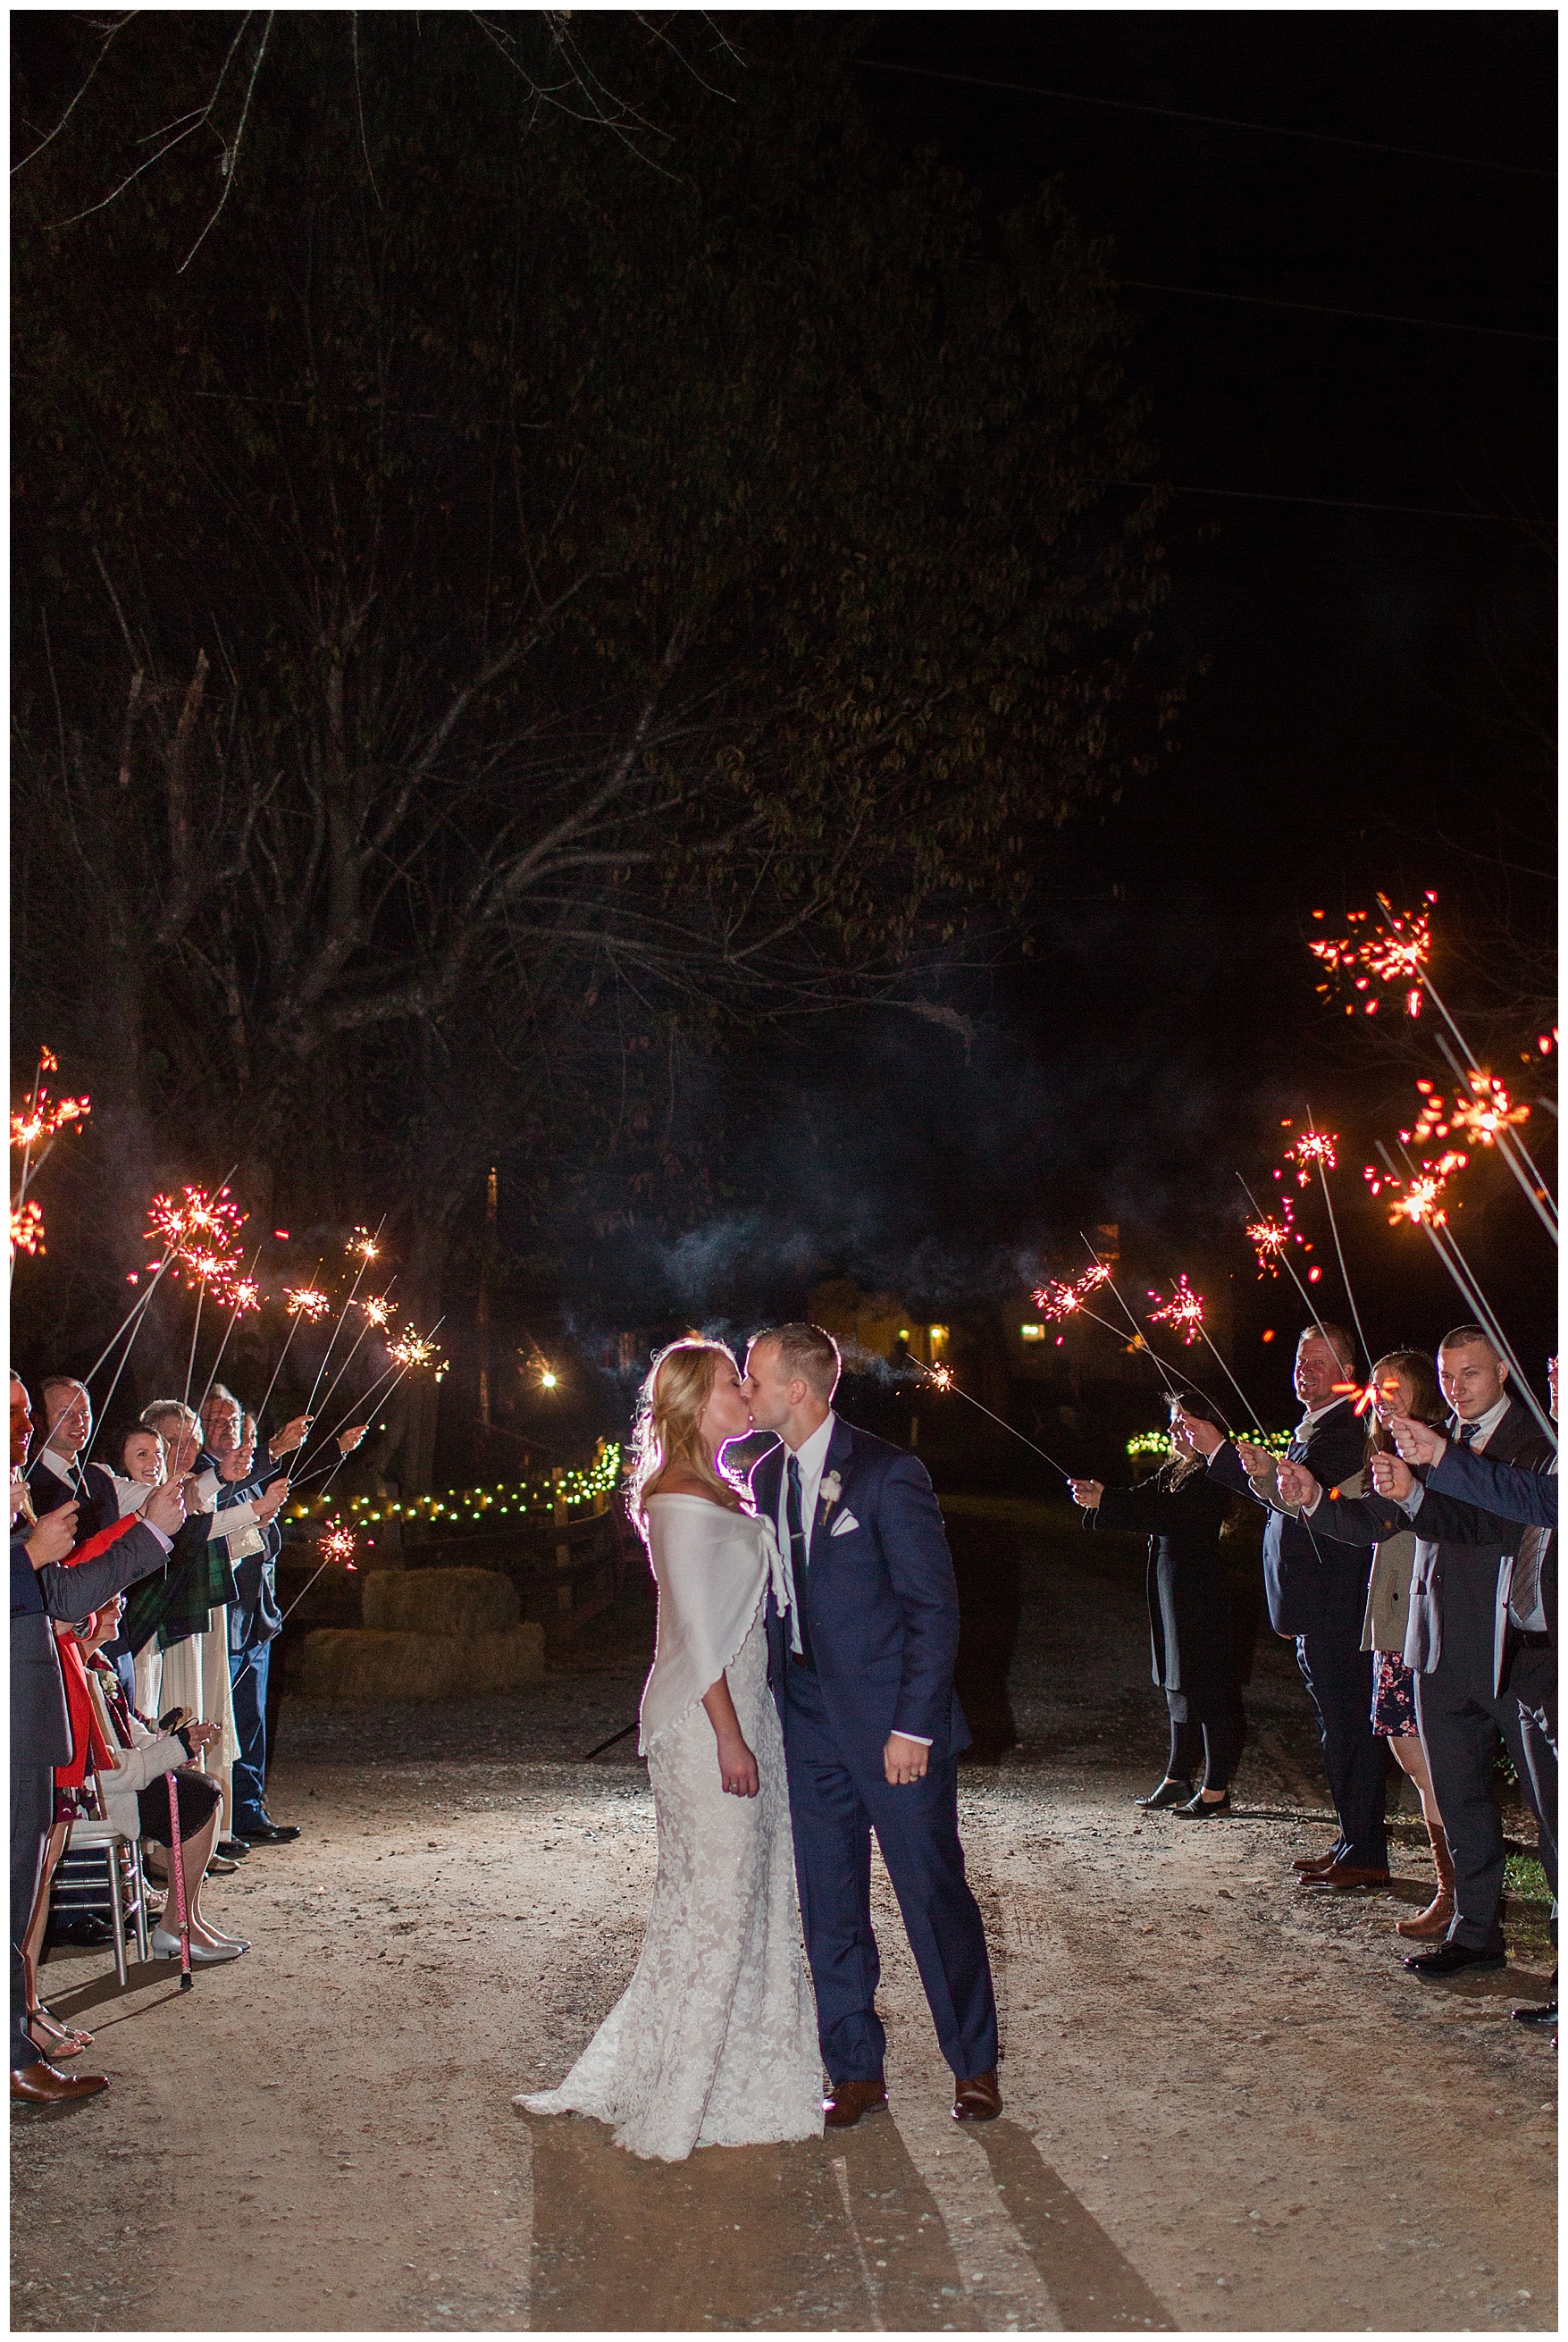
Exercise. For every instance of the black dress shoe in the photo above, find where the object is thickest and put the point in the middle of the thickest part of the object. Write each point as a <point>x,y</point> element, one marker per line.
<point>233,1849</point>
<point>1541,2013</point>
<point>1169,1793</point>
<point>1454,1959</point>
<point>269,1833</point>
<point>89,1930</point>
<point>1202,1809</point>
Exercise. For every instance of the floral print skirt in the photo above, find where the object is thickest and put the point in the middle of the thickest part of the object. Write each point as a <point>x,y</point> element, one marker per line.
<point>1392,1699</point>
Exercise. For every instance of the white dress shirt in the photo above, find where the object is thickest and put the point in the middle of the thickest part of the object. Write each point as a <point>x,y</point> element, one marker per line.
<point>812,1456</point>
<point>1485,1424</point>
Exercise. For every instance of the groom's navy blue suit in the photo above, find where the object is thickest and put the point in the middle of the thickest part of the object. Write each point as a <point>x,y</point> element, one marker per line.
<point>882,1609</point>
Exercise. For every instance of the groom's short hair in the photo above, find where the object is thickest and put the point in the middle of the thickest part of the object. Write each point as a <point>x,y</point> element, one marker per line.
<point>806,1351</point>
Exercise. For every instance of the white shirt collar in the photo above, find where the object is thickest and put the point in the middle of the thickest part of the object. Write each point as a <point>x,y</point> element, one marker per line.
<point>1485,1424</point>
<point>811,1457</point>
<point>1314,1416</point>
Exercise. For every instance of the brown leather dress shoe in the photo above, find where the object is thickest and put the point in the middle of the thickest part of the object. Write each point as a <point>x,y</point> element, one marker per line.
<point>1342,1878</point>
<point>847,2101</point>
<point>41,2086</point>
<point>978,2099</point>
<point>1310,1865</point>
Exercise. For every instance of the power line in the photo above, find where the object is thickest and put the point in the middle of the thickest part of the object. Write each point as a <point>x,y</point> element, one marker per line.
<point>1328,503</point>
<point>1215,121</point>
<point>1323,309</point>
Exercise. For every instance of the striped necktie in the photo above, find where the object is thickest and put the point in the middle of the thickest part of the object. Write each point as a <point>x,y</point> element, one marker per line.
<point>798,1556</point>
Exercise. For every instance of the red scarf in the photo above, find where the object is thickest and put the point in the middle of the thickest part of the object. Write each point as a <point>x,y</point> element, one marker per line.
<point>86,1739</point>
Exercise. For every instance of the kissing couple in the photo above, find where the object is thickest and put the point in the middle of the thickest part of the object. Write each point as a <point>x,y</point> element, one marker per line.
<point>801,1697</point>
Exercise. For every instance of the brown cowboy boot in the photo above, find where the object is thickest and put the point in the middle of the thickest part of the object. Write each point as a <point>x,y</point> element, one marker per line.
<point>1435,1920</point>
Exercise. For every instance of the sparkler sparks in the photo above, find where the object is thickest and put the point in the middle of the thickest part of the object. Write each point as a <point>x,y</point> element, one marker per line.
<point>362,1246</point>
<point>27,1229</point>
<point>1392,955</point>
<point>1420,1202</point>
<point>1057,1299</point>
<point>338,1544</point>
<point>377,1309</point>
<point>941,1378</point>
<point>304,1301</point>
<point>244,1295</point>
<point>196,1229</point>
<point>1314,1147</point>
<point>1268,1236</point>
<point>1184,1313</point>
<point>414,1350</point>
<point>44,1118</point>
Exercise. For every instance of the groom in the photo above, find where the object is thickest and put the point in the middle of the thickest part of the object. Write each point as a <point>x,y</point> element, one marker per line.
<point>862,1670</point>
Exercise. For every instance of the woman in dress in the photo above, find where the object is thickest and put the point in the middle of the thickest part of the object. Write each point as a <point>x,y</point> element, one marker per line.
<point>714,2042</point>
<point>1191,1629</point>
<point>1404,1383</point>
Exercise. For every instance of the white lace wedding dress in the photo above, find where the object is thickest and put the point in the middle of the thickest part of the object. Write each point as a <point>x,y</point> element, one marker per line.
<point>714,2042</point>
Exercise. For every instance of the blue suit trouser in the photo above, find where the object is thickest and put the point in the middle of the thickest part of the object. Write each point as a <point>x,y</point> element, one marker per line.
<point>1338,1677</point>
<point>1461,1726</point>
<point>834,1807</point>
<point>247,1678</point>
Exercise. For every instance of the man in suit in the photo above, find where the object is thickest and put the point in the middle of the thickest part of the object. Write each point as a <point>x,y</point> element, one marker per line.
<point>55,1477</point>
<point>1525,1618</point>
<point>52,1578</point>
<point>1317,1596</point>
<point>254,1621</point>
<point>862,1669</point>
<point>1480,1672</point>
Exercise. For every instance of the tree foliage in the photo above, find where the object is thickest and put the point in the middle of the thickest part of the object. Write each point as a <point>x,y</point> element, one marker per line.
<point>504,605</point>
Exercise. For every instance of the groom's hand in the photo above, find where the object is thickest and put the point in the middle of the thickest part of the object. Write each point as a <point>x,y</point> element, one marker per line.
<point>905,1760</point>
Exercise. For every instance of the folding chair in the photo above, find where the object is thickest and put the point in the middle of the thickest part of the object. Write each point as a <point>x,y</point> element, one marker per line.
<point>98,1835</point>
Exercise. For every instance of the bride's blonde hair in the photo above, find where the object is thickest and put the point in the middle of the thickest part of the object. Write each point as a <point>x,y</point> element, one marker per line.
<point>668,1429</point>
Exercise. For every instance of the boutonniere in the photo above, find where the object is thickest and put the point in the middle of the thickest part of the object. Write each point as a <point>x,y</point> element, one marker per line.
<point>828,1495</point>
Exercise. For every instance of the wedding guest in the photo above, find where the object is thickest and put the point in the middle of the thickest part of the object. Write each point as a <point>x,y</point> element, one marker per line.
<point>55,1475</point>
<point>255,1622</point>
<point>1317,1597</point>
<point>1463,1645</point>
<point>42,1589</point>
<point>1182,1511</point>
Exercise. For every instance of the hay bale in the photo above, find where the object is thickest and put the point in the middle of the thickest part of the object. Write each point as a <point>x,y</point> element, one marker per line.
<point>453,1603</point>
<point>367,1666</point>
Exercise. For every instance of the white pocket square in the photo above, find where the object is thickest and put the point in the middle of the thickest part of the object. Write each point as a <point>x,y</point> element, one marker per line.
<point>842,1526</point>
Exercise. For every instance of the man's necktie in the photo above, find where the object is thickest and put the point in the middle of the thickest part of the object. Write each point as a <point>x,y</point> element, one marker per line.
<point>797,1553</point>
<point>1524,1586</point>
<point>1467,1435</point>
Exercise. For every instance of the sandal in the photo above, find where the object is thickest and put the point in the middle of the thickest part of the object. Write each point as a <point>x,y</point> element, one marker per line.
<point>67,2042</point>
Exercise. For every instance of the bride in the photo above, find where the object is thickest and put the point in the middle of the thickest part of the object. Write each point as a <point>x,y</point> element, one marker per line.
<point>714,2042</point>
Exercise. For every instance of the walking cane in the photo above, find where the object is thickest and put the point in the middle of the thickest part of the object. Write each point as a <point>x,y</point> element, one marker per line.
<point>177,1873</point>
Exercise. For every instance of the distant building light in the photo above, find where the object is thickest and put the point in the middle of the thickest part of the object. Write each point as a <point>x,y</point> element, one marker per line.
<point>1031,1333</point>
<point>903,1333</point>
<point>938,1336</point>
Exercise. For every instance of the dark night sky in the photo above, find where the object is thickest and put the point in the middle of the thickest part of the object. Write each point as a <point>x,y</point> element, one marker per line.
<point>1345,735</point>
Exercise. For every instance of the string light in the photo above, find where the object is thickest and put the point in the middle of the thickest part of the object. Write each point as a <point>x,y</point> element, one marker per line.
<point>581,1487</point>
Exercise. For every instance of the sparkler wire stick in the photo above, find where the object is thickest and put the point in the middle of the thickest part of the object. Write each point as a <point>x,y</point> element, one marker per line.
<point>359,1337</point>
<point>367,1256</point>
<point>938,1383</point>
<point>1339,1251</point>
<point>222,1345</point>
<point>1251,1410</point>
<point>134,1312</point>
<point>281,1356</point>
<point>196,1329</point>
<point>1449,1252</point>
<point>1540,1202</point>
<point>1139,1336</point>
<point>1285,1257</point>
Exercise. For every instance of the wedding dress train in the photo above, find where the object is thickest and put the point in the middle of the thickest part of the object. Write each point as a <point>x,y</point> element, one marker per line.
<point>714,2042</point>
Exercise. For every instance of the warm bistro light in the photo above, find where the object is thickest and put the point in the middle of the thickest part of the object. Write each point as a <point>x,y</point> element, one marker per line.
<point>1031,1333</point>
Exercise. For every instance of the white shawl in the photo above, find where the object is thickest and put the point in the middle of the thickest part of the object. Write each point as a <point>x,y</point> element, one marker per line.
<point>712,1567</point>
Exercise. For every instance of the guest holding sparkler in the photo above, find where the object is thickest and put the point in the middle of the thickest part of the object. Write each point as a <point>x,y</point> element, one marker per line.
<point>1182,1510</point>
<point>1475,1639</point>
<point>55,1476</point>
<point>255,1622</point>
<point>1317,1597</point>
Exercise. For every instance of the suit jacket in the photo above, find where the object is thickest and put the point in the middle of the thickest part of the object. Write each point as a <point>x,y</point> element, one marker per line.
<point>1315,1586</point>
<point>1518,1493</point>
<point>1190,1635</point>
<point>1460,1584</point>
<point>51,1483</point>
<point>40,1720</point>
<point>880,1603</point>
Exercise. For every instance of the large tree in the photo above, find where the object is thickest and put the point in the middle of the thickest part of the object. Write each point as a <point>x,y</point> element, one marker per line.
<point>505,604</point>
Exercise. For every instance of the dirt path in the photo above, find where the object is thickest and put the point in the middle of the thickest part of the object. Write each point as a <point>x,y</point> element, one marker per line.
<point>1228,2107</point>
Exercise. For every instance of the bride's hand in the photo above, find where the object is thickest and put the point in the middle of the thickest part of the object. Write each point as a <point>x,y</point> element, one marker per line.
<point>738,1767</point>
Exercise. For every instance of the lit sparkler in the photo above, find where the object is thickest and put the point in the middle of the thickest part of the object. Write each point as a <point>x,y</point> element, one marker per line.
<point>305,1301</point>
<point>414,1350</point>
<point>1184,1313</point>
<point>1420,1202</point>
<point>363,1246</point>
<point>1269,1237</point>
<point>338,1544</point>
<point>1314,1147</point>
<point>27,1229</point>
<point>1382,959</point>
<point>45,1118</point>
<point>377,1309</point>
